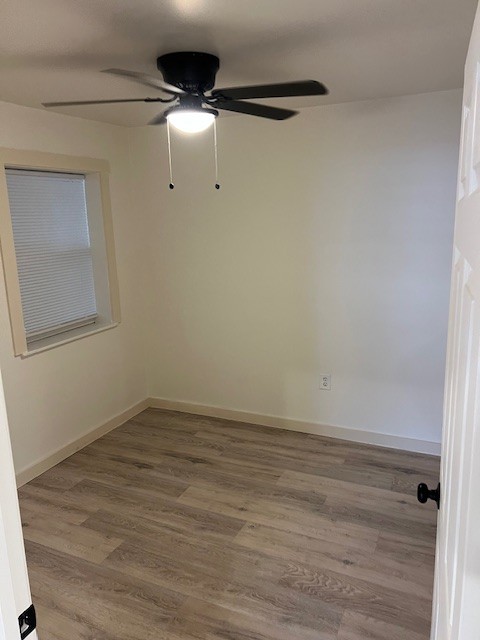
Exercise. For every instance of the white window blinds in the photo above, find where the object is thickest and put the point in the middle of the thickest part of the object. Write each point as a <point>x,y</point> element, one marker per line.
<point>52,245</point>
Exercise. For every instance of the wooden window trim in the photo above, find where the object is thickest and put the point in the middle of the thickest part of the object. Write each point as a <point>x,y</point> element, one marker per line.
<point>20,159</point>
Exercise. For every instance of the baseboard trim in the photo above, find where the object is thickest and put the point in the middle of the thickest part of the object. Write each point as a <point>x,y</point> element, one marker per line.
<point>342,433</point>
<point>66,451</point>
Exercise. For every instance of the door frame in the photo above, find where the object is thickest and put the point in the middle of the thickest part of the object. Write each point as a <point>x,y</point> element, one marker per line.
<point>15,595</point>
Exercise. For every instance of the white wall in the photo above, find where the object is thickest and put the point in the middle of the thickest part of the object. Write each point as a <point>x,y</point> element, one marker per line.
<point>327,250</point>
<point>55,397</point>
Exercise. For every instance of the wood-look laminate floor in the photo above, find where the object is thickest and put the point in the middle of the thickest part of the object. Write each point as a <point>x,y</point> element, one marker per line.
<point>181,527</point>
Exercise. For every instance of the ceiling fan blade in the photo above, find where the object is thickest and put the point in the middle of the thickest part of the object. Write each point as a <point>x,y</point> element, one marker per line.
<point>253,109</point>
<point>283,90</point>
<point>160,119</point>
<point>80,102</point>
<point>146,80</point>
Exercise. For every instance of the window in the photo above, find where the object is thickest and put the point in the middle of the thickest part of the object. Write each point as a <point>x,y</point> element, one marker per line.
<point>62,283</point>
<point>52,245</point>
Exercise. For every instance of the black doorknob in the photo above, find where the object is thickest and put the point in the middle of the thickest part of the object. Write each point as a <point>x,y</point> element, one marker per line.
<point>424,494</point>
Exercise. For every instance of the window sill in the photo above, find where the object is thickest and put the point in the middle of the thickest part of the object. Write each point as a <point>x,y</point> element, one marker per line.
<point>70,336</point>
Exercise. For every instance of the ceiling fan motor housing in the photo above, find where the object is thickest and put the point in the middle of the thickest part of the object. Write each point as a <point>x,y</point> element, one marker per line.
<point>190,103</point>
<point>192,71</point>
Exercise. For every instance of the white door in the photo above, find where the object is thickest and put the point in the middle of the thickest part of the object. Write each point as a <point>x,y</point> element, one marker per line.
<point>14,588</point>
<point>456,614</point>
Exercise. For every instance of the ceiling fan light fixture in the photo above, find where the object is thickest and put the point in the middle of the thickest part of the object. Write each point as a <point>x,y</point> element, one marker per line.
<point>191,120</point>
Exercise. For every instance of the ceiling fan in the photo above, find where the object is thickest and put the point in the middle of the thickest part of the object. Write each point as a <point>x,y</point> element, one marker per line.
<point>188,76</point>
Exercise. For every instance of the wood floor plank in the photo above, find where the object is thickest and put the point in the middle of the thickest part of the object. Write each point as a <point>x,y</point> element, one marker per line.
<point>56,626</point>
<point>95,495</point>
<point>264,599</point>
<point>388,520</point>
<point>206,553</point>
<point>236,505</point>
<point>123,473</point>
<point>187,443</point>
<point>402,462</point>
<point>305,499</point>
<point>181,464</point>
<point>385,510</point>
<point>200,620</point>
<point>325,447</point>
<point>341,555</point>
<point>57,478</point>
<point>338,469</point>
<point>55,504</point>
<point>72,539</point>
<point>181,422</point>
<point>300,452</point>
<point>174,520</point>
<point>405,548</point>
<point>360,596</point>
<point>107,601</point>
<point>178,465</point>
<point>243,451</point>
<point>183,527</point>
<point>356,626</point>
<point>408,482</point>
<point>374,498</point>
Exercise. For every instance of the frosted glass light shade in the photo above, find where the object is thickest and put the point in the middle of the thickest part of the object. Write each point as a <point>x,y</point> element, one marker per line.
<point>190,120</point>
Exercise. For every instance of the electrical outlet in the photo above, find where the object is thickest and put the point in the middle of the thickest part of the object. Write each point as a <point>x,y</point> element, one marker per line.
<point>326,382</point>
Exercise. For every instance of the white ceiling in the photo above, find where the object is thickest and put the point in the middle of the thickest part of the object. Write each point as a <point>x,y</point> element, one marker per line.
<point>53,49</point>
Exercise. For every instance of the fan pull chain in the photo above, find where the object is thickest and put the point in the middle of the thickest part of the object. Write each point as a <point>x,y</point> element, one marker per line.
<point>171,185</point>
<point>217,185</point>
